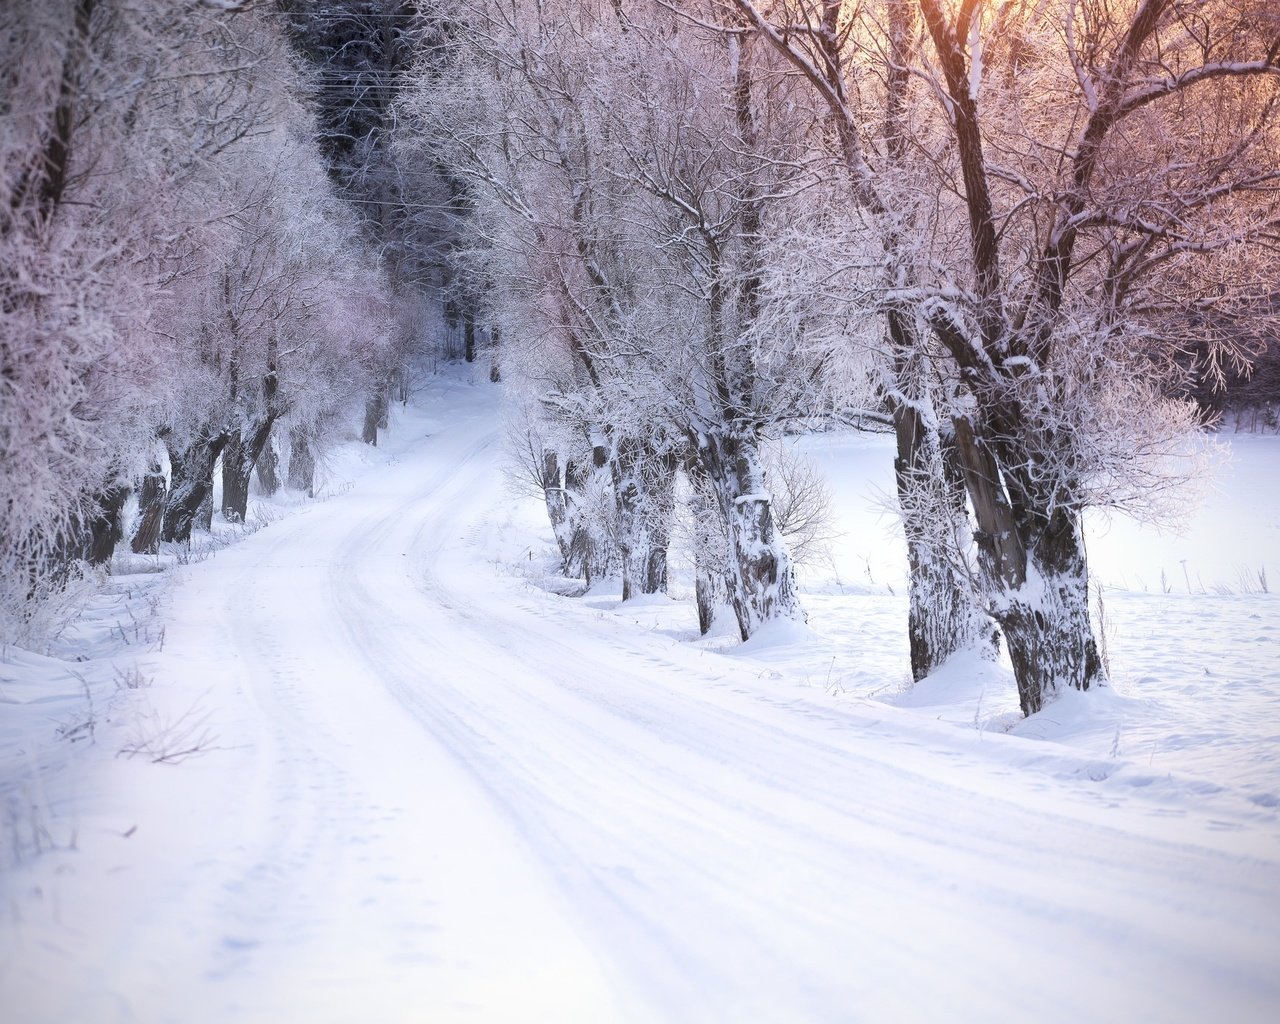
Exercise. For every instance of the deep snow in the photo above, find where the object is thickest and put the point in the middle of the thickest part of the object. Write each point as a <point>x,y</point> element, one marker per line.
<point>429,789</point>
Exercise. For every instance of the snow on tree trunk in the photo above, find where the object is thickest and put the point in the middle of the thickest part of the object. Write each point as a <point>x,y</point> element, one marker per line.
<point>106,528</point>
<point>760,576</point>
<point>302,462</point>
<point>1034,567</point>
<point>268,469</point>
<point>643,483</point>
<point>151,503</point>
<point>944,614</point>
<point>1046,622</point>
<point>469,336</point>
<point>592,512</point>
<point>375,411</point>
<point>190,500</point>
<point>239,456</point>
<point>236,472</point>
<point>710,595</point>
<point>557,502</point>
<point>710,546</point>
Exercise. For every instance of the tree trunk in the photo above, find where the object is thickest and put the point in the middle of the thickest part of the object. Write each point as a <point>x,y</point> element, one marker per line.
<point>710,594</point>
<point>151,502</point>
<point>761,579</point>
<point>643,484</point>
<point>944,612</point>
<point>375,411</point>
<point>710,548</point>
<point>190,500</point>
<point>591,550</point>
<point>557,502</point>
<point>1035,569</point>
<point>302,462</point>
<point>239,456</point>
<point>105,529</point>
<point>204,514</point>
<point>268,469</point>
<point>1046,624</point>
<point>236,472</point>
<point>469,336</point>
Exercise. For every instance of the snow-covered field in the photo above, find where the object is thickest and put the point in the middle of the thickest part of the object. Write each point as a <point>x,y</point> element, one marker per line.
<point>364,764</point>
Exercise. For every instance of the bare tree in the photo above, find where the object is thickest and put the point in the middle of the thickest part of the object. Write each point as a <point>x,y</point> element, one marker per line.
<point>103,144</point>
<point>1113,166</point>
<point>856,60</point>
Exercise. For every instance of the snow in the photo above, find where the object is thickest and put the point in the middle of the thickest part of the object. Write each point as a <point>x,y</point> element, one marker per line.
<point>435,789</point>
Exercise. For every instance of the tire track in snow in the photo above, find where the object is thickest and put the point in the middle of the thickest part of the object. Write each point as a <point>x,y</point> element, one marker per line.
<point>465,802</point>
<point>528,713</point>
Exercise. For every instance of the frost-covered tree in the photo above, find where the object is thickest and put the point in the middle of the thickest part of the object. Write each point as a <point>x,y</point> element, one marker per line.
<point>284,319</point>
<point>631,184</point>
<point>359,55</point>
<point>151,200</point>
<point>856,59</point>
<point>112,115</point>
<point>555,244</point>
<point>1110,175</point>
<point>1064,193</point>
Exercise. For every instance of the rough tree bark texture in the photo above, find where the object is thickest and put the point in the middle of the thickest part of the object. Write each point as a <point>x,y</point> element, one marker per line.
<point>711,592</point>
<point>644,486</point>
<point>375,412</point>
<point>469,336</point>
<point>106,528</point>
<point>268,469</point>
<point>761,579</point>
<point>944,613</point>
<point>1035,569</point>
<point>239,456</point>
<point>192,488</point>
<point>592,551</point>
<point>557,502</point>
<point>302,462</point>
<point>151,503</point>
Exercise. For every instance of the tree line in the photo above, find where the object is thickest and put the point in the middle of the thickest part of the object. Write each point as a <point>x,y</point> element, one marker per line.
<point>186,279</point>
<point>1017,233</point>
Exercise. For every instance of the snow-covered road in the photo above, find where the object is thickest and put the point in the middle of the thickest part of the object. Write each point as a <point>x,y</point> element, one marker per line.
<point>443,795</point>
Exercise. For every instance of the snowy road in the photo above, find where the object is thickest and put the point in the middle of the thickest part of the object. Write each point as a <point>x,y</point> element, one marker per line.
<point>444,796</point>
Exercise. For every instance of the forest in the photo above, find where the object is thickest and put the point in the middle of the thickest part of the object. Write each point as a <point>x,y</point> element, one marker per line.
<point>1023,237</point>
<point>639,510</point>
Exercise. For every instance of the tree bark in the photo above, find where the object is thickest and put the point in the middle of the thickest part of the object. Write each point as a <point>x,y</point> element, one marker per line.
<point>151,503</point>
<point>302,462</point>
<point>710,594</point>
<point>495,369</point>
<point>591,552</point>
<point>190,499</point>
<point>469,336</point>
<point>643,484</point>
<point>268,469</point>
<point>239,457</point>
<point>1047,624</point>
<point>944,611</point>
<point>106,529</point>
<point>761,579</point>
<point>1035,569</point>
<point>236,473</point>
<point>375,412</point>
<point>557,502</point>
